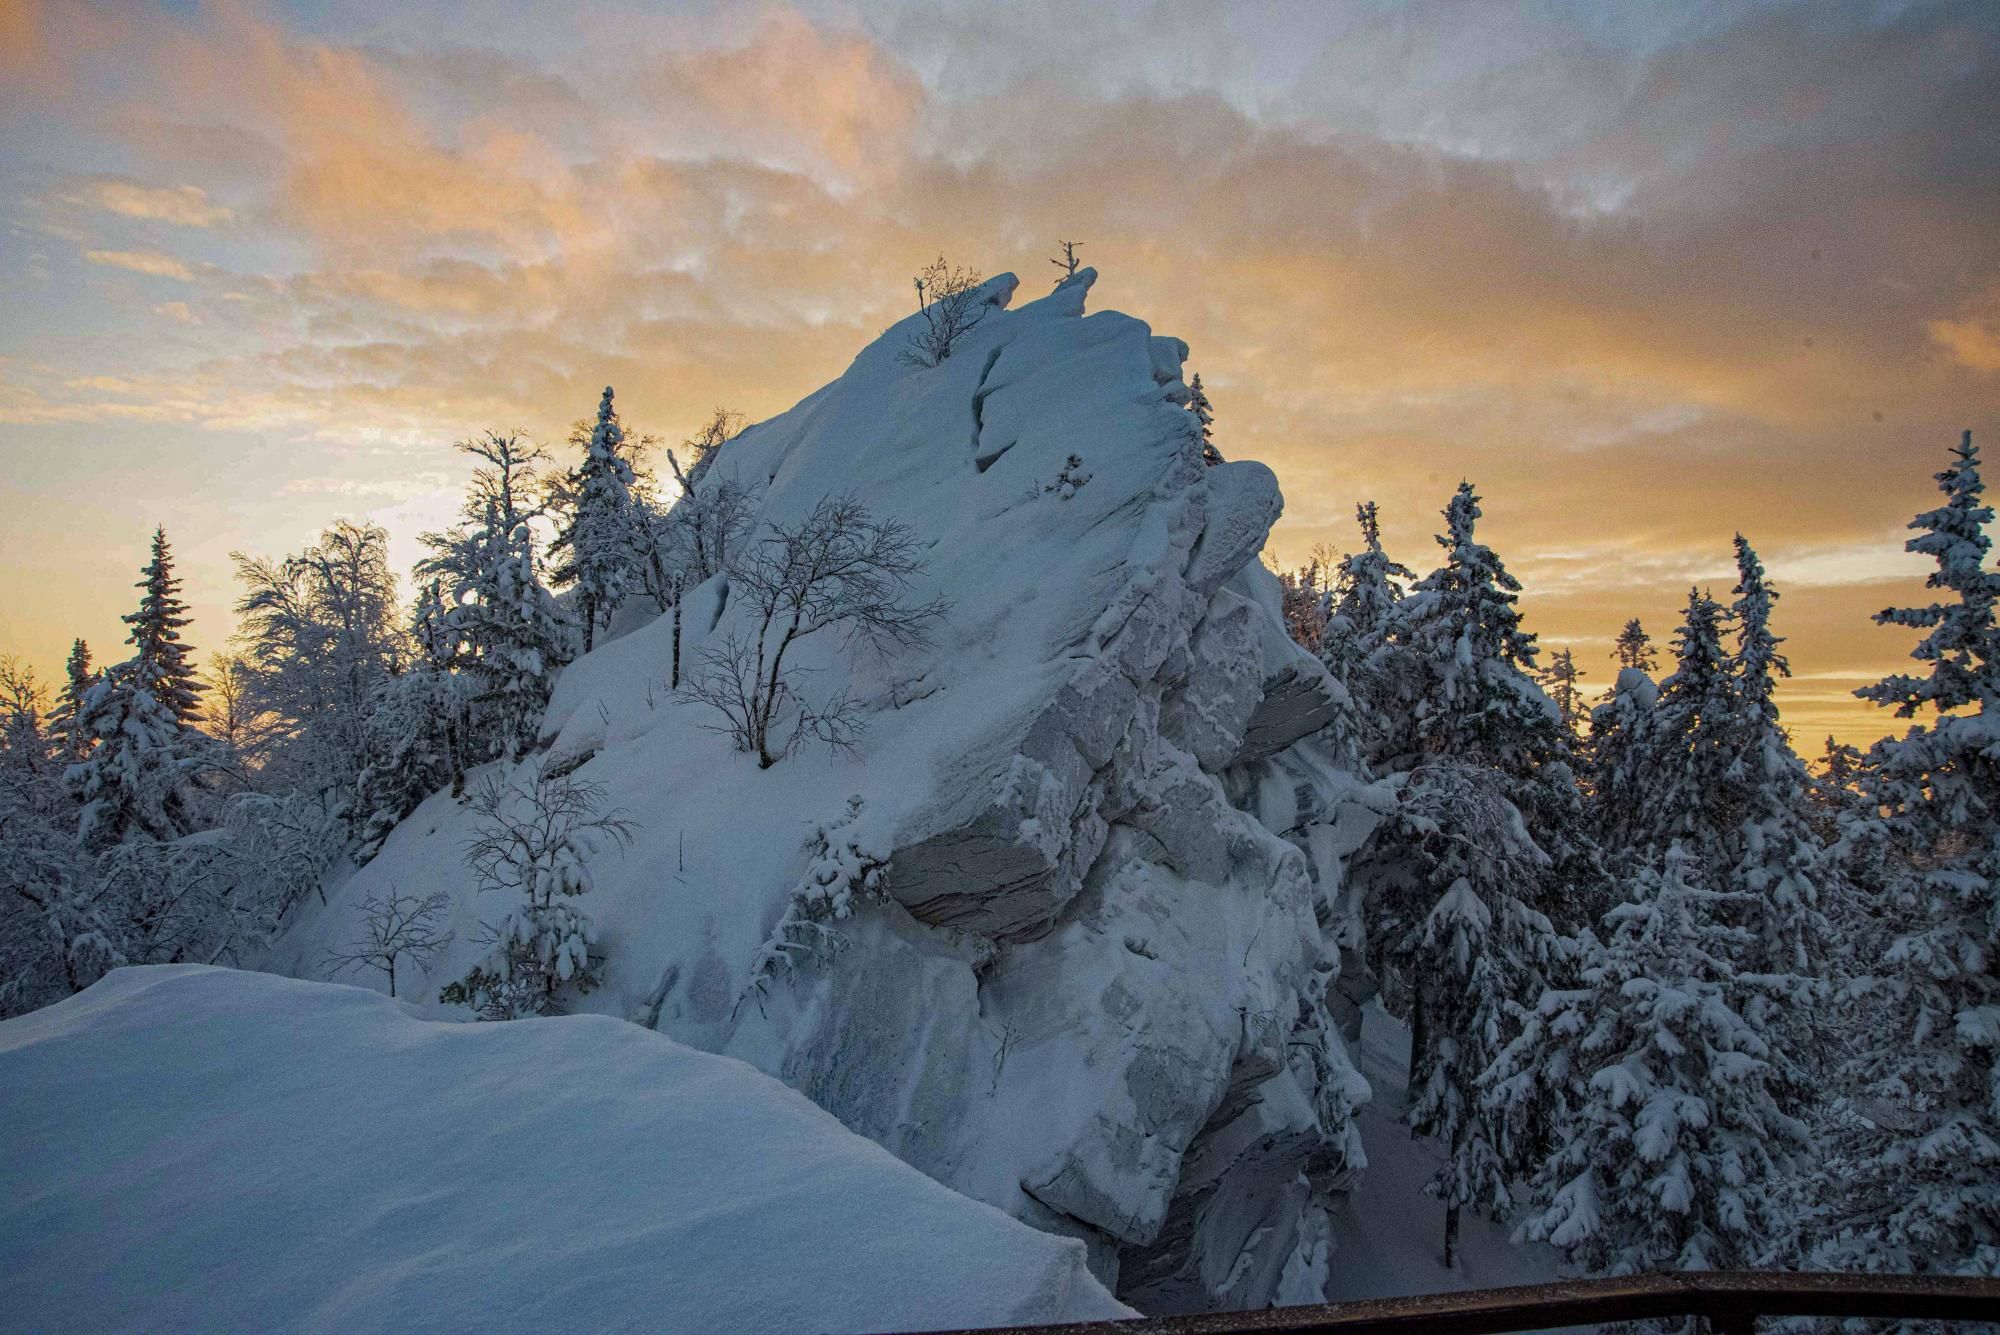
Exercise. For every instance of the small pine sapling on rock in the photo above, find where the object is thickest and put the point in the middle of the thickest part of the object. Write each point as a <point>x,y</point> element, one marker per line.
<point>537,843</point>
<point>1204,413</point>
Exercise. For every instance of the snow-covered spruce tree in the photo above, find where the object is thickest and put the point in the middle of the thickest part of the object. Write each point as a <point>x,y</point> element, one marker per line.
<point>78,678</point>
<point>1625,770</point>
<point>1304,598</point>
<point>1560,679</point>
<point>596,554</point>
<point>53,938</point>
<point>1483,862</point>
<point>1695,784</point>
<point>1634,648</point>
<point>1916,1186</point>
<point>419,733</point>
<point>1780,865</point>
<point>142,755</point>
<point>535,843</point>
<point>319,639</point>
<point>839,568</point>
<point>1674,1139</point>
<point>156,637</point>
<point>511,634</point>
<point>1354,644</point>
<point>1204,413</point>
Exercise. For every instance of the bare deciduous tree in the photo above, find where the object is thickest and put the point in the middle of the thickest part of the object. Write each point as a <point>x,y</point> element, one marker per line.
<point>394,927</point>
<point>839,567</point>
<point>948,299</point>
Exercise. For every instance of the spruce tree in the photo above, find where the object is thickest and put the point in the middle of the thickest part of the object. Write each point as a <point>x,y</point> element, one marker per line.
<point>1354,644</point>
<point>510,634</point>
<point>1674,1138</point>
<point>1697,790</point>
<point>1483,862</point>
<point>419,731</point>
<point>78,678</point>
<point>597,547</point>
<point>1560,678</point>
<point>1204,413</point>
<point>1779,864</point>
<point>1919,1189</point>
<point>141,753</point>
<point>1626,766</point>
<point>1634,648</point>
<point>156,637</point>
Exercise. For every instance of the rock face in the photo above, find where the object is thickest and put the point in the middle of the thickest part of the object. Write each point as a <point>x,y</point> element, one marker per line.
<point>1094,989</point>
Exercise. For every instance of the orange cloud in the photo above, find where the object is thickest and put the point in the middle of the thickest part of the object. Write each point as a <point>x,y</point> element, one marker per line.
<point>183,206</point>
<point>150,262</point>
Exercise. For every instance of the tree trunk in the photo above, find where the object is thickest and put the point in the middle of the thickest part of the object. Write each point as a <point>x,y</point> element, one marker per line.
<point>1416,1046</point>
<point>675,684</point>
<point>1451,1237</point>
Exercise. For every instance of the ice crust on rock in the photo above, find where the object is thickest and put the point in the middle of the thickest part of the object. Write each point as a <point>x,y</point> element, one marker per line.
<point>1102,941</point>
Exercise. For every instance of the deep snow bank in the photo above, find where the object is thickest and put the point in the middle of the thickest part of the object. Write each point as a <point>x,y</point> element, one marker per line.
<point>184,1148</point>
<point>1098,995</point>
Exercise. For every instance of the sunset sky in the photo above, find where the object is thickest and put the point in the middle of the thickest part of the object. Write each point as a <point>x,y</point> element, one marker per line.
<point>1648,274</point>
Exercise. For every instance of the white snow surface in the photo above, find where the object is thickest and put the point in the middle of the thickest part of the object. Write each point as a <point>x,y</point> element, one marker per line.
<point>1094,789</point>
<point>188,1148</point>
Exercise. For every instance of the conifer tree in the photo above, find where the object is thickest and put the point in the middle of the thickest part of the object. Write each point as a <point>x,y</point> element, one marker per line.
<point>1779,865</point>
<point>1484,861</point>
<point>419,733</point>
<point>1560,678</point>
<point>1354,644</point>
<point>1919,1191</point>
<point>1204,413</point>
<point>1626,766</point>
<point>78,678</point>
<point>132,783</point>
<point>1674,1139</point>
<point>1634,648</point>
<point>598,554</point>
<point>1697,790</point>
<point>156,637</point>
<point>511,635</point>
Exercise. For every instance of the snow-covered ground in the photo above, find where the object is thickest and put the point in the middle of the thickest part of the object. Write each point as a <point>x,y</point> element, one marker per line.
<point>1389,1236</point>
<point>184,1148</point>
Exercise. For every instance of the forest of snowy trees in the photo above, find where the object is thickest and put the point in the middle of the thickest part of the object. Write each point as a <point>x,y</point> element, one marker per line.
<point>1675,999</point>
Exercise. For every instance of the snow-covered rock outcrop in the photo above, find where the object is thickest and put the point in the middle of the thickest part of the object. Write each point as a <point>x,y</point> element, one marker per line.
<point>1093,990</point>
<point>202,1149</point>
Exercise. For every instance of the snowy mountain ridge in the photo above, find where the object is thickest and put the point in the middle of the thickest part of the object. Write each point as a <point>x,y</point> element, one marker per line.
<point>1091,983</point>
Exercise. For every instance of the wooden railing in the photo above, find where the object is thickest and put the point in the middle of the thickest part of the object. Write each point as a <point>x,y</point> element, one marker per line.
<point>1731,1301</point>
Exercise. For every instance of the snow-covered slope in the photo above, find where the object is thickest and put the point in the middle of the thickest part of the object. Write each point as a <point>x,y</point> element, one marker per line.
<point>184,1148</point>
<point>1096,997</point>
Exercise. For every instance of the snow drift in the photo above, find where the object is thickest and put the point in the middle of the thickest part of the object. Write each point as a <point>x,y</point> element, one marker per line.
<point>1096,986</point>
<point>201,1149</point>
